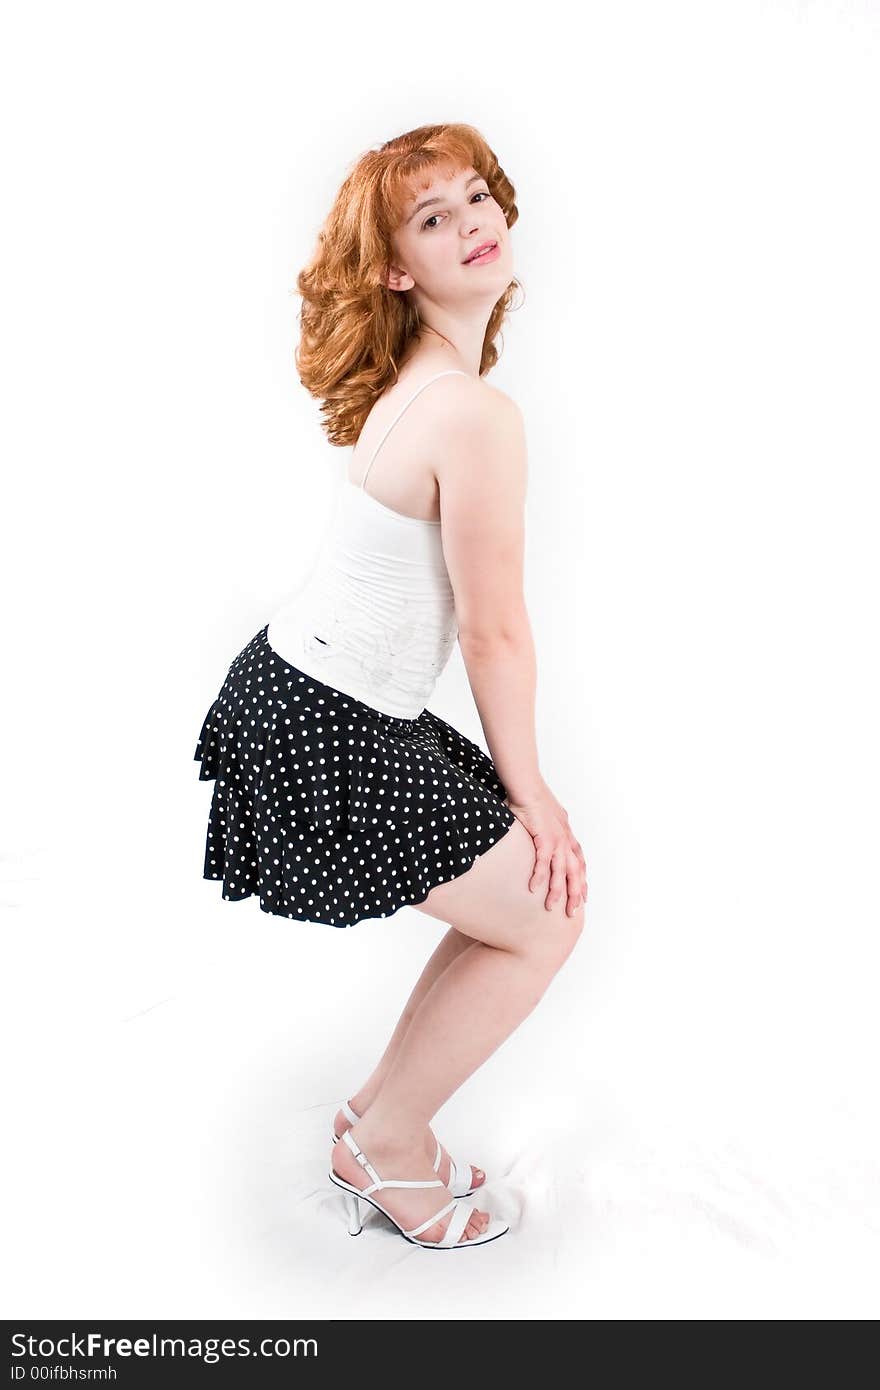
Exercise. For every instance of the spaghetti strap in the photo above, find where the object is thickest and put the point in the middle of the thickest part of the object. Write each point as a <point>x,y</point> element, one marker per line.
<point>451,371</point>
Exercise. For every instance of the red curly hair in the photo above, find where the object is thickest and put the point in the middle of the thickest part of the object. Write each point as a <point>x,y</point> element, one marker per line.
<point>354,329</point>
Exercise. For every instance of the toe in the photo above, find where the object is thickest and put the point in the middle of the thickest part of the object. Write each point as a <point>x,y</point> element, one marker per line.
<point>444,1172</point>
<point>477,1224</point>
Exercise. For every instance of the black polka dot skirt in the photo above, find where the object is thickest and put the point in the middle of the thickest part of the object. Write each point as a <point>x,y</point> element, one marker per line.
<point>329,810</point>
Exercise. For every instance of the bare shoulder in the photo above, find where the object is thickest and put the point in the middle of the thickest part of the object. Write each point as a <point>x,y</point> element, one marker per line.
<point>482,432</point>
<point>500,401</point>
<point>477,400</point>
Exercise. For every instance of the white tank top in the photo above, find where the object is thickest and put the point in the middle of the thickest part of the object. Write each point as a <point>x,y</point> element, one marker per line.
<point>376,617</point>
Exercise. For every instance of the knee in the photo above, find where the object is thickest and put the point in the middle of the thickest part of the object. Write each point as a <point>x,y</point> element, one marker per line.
<point>549,937</point>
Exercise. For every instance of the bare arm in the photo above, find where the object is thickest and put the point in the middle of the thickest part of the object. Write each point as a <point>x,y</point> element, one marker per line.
<point>482,476</point>
<point>482,499</point>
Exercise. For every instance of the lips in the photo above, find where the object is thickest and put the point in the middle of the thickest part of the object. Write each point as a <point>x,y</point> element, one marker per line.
<point>483,246</point>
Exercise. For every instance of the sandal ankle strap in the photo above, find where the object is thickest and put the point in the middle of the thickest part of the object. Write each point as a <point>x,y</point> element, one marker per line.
<point>378,1182</point>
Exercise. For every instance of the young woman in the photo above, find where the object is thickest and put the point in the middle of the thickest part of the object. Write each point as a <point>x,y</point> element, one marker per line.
<point>339,796</point>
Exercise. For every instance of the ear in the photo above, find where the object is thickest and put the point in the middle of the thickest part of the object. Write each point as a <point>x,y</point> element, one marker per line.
<point>398,279</point>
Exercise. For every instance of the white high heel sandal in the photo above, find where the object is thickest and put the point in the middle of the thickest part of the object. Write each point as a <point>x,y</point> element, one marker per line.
<point>461,1211</point>
<point>460,1182</point>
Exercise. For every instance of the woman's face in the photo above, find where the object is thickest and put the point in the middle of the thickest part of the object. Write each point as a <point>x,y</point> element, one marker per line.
<point>443,224</point>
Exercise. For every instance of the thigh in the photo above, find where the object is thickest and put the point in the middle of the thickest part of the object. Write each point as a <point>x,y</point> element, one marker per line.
<point>491,902</point>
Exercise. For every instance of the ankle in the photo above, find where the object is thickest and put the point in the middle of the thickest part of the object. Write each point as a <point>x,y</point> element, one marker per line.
<point>399,1130</point>
<point>391,1115</point>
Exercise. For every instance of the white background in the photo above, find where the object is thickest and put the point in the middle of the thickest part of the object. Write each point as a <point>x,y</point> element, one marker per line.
<point>686,1126</point>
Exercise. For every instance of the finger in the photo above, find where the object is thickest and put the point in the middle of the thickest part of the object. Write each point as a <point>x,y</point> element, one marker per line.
<point>541,868</point>
<point>557,880</point>
<point>576,849</point>
<point>576,881</point>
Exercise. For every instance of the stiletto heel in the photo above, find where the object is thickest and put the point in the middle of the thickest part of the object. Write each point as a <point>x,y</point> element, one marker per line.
<point>459,1184</point>
<point>353,1207</point>
<point>461,1211</point>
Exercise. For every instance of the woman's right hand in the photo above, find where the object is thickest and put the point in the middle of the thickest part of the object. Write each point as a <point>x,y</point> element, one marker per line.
<point>559,859</point>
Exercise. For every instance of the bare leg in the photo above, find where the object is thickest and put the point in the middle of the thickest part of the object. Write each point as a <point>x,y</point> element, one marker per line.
<point>471,1008</point>
<point>448,949</point>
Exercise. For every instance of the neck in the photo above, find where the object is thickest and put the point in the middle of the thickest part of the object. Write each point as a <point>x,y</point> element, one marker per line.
<point>452,336</point>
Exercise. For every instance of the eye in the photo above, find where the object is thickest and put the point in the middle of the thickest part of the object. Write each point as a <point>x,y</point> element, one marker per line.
<point>480,193</point>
